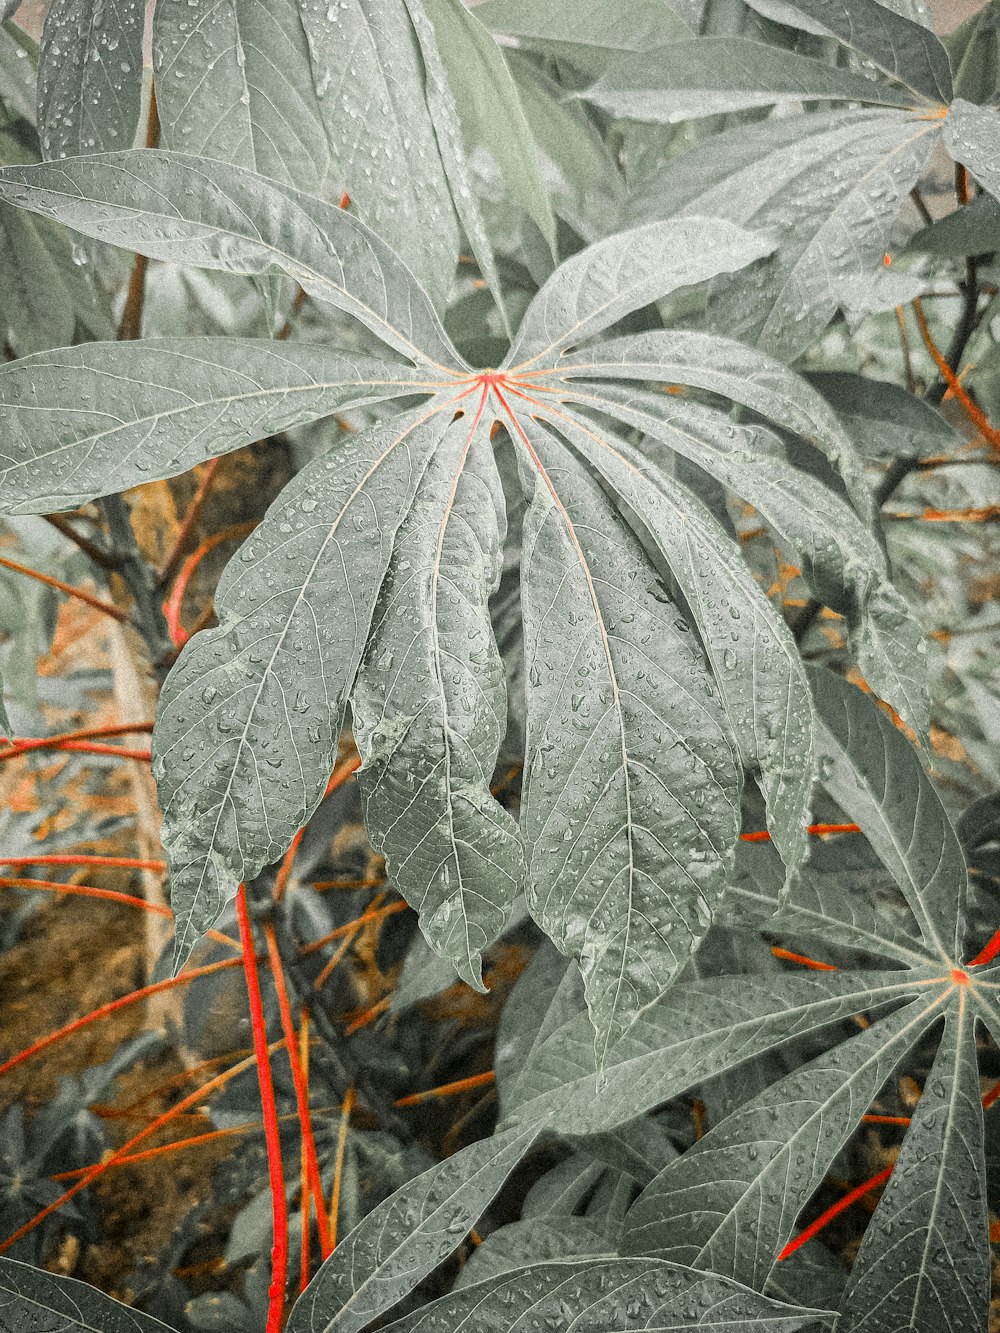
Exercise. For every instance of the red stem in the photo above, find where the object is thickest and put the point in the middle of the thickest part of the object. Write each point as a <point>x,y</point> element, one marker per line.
<point>272,1134</point>
<point>988,952</point>
<point>22,744</point>
<point>172,606</point>
<point>299,1080</point>
<point>835,1210</point>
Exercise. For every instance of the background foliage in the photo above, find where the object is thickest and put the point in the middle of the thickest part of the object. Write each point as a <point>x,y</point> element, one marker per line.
<point>576,423</point>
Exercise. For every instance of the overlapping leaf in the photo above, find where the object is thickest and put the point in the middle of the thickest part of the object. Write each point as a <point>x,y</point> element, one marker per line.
<point>828,185</point>
<point>714,75</point>
<point>234,82</point>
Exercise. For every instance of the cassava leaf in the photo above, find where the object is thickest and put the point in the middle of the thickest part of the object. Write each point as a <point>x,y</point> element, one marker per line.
<point>532,1240</point>
<point>874,774</point>
<point>883,418</point>
<point>714,75</point>
<point>90,76</point>
<point>370,81</point>
<point>905,51</point>
<point>176,402</point>
<point>604,1296</point>
<point>234,82</point>
<point>489,107</point>
<point>828,185</point>
<point>448,135</point>
<point>429,708</point>
<point>972,136</point>
<point>249,719</point>
<point>629,832</point>
<point>924,1263</point>
<point>186,209</point>
<point>31,1298</point>
<point>406,1237</point>
<point>730,1202</point>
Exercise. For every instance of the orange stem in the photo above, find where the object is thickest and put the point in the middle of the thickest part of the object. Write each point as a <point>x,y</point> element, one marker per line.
<point>802,960</point>
<point>988,952</point>
<point>22,744</point>
<point>975,413</point>
<point>191,518</point>
<point>368,1016</point>
<point>272,1134</point>
<point>133,997</point>
<point>84,859</point>
<point>449,1089</point>
<point>816,830</point>
<point>350,927</point>
<point>106,608</point>
<point>338,1166</point>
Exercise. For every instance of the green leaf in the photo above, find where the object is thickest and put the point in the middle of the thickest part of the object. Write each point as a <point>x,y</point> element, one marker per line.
<point>370,81</point>
<point>430,704</point>
<point>581,177</point>
<point>600,1295</point>
<point>584,34</point>
<point>19,70</point>
<point>730,1202</point>
<point>249,719</point>
<point>94,420</point>
<point>714,75</point>
<point>532,1240</point>
<point>187,209</point>
<point>445,119</point>
<point>875,775</point>
<point>90,76</point>
<point>903,50</point>
<point>924,1263</point>
<point>607,281</point>
<point>974,48</point>
<point>405,1238</point>
<point>829,186</point>
<point>971,229</point>
<point>972,136</point>
<point>36,255</point>
<point>489,107</point>
<point>755,663</point>
<point>234,82</point>
<point>883,419</point>
<point>31,1298</point>
<point>700,1029</point>
<point>629,832</point>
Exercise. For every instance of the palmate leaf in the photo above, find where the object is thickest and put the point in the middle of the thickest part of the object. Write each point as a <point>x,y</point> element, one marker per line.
<point>972,136</point>
<point>729,1204</point>
<point>30,1298</point>
<point>829,185</point>
<point>605,1296</point>
<point>370,578</point>
<point>429,707</point>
